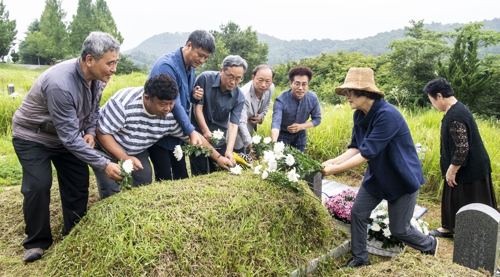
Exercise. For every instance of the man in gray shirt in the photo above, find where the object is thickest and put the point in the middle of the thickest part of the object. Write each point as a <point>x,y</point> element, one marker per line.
<point>56,123</point>
<point>258,93</point>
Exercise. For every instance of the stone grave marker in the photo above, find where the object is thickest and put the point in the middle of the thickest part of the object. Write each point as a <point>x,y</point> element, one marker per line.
<point>477,237</point>
<point>315,182</point>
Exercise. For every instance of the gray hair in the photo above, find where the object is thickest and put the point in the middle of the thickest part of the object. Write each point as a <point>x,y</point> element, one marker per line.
<point>234,60</point>
<point>202,39</point>
<point>99,43</point>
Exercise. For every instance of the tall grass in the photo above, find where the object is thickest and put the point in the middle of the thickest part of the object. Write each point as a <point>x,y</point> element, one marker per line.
<point>332,136</point>
<point>22,78</point>
<point>326,141</point>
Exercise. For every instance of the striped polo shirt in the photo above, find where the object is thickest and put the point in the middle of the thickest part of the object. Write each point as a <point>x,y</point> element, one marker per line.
<point>134,129</point>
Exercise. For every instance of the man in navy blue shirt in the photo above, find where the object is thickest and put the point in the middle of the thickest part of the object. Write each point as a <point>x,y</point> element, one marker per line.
<point>181,65</point>
<point>293,108</point>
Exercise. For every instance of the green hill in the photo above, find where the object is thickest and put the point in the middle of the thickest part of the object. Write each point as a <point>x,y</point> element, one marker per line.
<point>281,51</point>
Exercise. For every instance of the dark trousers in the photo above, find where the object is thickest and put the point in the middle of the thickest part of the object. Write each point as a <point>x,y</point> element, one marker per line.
<point>400,213</point>
<point>108,187</point>
<point>165,164</point>
<point>297,140</point>
<point>73,178</point>
<point>202,165</point>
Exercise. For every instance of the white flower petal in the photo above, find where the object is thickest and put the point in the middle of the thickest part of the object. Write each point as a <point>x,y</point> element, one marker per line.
<point>236,169</point>
<point>256,139</point>
<point>265,174</point>
<point>178,152</point>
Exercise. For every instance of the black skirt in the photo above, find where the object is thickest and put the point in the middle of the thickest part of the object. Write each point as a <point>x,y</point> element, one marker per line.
<point>479,191</point>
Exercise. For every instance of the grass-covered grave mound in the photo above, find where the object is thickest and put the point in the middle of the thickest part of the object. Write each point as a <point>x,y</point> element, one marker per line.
<point>215,225</point>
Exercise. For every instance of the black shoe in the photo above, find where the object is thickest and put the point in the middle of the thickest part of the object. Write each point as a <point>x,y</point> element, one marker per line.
<point>352,263</point>
<point>434,250</point>
<point>437,233</point>
<point>33,254</point>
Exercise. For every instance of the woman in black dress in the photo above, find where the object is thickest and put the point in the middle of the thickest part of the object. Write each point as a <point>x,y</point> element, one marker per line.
<point>465,164</point>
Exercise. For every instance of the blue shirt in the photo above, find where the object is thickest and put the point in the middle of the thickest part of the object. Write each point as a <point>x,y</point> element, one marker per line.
<point>173,65</point>
<point>384,139</point>
<point>288,110</point>
<point>219,107</point>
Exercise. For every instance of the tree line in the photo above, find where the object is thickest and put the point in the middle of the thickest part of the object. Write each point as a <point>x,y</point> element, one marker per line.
<point>411,62</point>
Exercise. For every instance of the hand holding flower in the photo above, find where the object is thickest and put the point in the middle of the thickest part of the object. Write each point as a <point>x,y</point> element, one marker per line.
<point>330,169</point>
<point>223,162</point>
<point>195,138</point>
<point>230,157</point>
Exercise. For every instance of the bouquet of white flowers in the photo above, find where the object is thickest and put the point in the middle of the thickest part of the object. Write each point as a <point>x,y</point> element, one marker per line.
<point>283,165</point>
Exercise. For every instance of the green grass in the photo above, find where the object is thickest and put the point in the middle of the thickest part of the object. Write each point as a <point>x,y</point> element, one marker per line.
<point>218,225</point>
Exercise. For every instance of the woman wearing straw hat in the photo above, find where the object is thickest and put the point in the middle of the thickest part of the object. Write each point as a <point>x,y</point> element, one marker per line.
<point>380,137</point>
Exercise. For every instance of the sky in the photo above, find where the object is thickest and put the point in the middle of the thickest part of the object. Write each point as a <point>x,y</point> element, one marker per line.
<point>312,19</point>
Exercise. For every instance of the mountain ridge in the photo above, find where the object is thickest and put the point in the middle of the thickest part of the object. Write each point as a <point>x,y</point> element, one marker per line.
<point>282,51</point>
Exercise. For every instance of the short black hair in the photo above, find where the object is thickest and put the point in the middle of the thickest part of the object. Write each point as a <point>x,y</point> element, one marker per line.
<point>202,39</point>
<point>161,86</point>
<point>440,85</point>
<point>300,71</point>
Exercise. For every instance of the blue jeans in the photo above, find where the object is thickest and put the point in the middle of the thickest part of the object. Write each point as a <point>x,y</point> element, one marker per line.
<point>108,187</point>
<point>400,213</point>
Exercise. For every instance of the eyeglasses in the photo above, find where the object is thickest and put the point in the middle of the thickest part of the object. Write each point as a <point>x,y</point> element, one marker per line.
<point>347,93</point>
<point>299,84</point>
<point>233,78</point>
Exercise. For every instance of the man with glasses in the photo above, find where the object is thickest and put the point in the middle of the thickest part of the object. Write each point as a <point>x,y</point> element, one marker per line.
<point>219,109</point>
<point>293,108</point>
<point>258,93</point>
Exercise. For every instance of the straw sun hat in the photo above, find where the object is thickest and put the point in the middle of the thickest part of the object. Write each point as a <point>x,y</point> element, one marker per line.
<point>359,79</point>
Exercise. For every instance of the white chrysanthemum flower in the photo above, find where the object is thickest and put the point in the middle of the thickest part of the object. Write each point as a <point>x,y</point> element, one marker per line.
<point>376,227</point>
<point>386,221</point>
<point>265,174</point>
<point>279,155</point>
<point>279,147</point>
<point>373,215</point>
<point>236,169</point>
<point>290,160</point>
<point>257,169</point>
<point>381,213</point>
<point>387,232</point>
<point>128,166</point>
<point>267,140</point>
<point>272,165</point>
<point>218,134</point>
<point>269,155</point>
<point>256,139</point>
<point>292,176</point>
<point>178,152</point>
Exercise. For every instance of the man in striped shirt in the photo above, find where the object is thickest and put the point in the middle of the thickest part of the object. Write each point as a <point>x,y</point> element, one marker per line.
<point>132,120</point>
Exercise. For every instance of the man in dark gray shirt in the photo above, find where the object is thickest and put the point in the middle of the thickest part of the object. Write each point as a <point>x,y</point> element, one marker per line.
<point>56,123</point>
<point>219,109</point>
